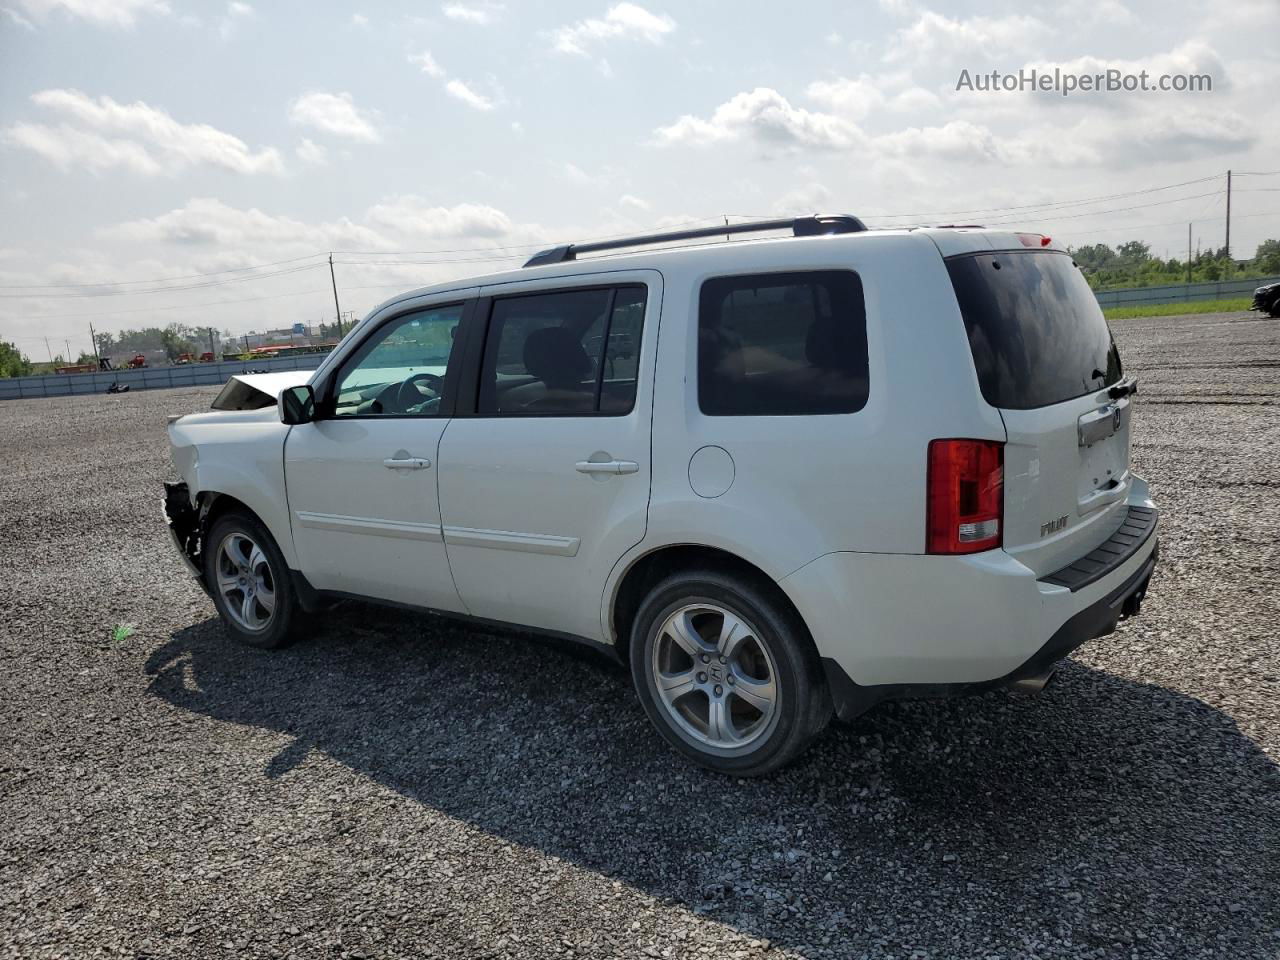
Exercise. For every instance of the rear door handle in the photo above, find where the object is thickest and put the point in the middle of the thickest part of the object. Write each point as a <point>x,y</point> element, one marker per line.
<point>406,463</point>
<point>607,466</point>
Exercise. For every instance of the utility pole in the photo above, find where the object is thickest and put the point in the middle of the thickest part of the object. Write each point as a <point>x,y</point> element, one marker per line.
<point>48,349</point>
<point>211,350</point>
<point>1188,253</point>
<point>334,280</point>
<point>93,338</point>
<point>67,344</point>
<point>1228,221</point>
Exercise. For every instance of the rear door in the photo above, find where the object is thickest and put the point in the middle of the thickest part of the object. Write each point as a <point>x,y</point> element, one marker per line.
<point>1046,359</point>
<point>544,480</point>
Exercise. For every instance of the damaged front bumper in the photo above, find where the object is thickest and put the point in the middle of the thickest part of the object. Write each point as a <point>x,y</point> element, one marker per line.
<point>184,525</point>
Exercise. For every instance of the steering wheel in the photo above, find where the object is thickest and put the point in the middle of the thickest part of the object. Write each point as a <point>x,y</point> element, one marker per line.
<point>408,394</point>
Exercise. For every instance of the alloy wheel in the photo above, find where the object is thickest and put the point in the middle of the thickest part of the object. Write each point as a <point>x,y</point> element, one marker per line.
<point>714,676</point>
<point>246,582</point>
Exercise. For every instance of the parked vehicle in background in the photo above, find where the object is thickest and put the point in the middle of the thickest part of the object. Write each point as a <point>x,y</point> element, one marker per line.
<point>854,466</point>
<point>1267,299</point>
<point>137,362</point>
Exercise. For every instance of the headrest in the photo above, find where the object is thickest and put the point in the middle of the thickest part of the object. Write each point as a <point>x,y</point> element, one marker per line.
<point>556,357</point>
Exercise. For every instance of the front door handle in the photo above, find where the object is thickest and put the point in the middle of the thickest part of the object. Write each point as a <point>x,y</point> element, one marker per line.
<point>607,466</point>
<point>406,463</point>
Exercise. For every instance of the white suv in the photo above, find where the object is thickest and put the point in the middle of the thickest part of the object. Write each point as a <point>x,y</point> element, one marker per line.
<point>779,477</point>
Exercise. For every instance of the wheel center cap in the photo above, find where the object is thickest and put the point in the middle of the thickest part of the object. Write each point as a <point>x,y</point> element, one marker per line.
<point>716,672</point>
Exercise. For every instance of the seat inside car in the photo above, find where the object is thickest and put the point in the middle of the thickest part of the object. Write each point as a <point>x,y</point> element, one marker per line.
<point>558,361</point>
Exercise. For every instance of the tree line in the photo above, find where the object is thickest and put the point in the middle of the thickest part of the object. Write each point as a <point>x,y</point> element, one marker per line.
<point>1132,265</point>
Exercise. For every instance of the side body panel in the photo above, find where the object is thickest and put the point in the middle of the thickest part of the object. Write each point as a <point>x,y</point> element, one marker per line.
<point>239,455</point>
<point>806,486</point>
<point>531,537</point>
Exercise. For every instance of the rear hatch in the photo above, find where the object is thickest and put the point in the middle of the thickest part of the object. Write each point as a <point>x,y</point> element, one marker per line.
<point>1046,360</point>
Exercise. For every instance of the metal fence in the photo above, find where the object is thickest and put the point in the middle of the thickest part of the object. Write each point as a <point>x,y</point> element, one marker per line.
<point>149,378</point>
<point>190,375</point>
<point>1179,293</point>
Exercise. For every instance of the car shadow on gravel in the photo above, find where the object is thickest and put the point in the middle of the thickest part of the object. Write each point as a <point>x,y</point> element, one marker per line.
<point>1103,813</point>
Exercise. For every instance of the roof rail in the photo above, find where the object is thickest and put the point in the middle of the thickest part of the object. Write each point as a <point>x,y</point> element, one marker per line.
<point>799,226</point>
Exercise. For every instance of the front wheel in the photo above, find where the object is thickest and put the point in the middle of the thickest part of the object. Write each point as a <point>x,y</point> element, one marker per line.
<point>249,580</point>
<point>727,673</point>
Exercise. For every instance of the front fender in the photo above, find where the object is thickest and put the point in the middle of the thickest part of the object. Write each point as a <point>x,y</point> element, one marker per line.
<point>243,460</point>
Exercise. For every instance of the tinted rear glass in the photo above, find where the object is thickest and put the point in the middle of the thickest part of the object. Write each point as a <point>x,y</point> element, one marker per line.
<point>1035,329</point>
<point>782,344</point>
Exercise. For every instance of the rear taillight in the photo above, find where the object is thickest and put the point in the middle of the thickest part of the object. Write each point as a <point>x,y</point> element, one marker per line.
<point>965,506</point>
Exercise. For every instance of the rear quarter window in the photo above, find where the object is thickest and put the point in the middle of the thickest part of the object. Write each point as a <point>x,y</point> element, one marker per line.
<point>1035,329</point>
<point>782,344</point>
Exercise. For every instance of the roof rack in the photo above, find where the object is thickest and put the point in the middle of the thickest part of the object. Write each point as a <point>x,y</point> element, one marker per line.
<point>799,226</point>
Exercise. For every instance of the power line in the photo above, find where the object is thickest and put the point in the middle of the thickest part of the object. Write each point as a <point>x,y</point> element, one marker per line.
<point>1169,223</point>
<point>1099,213</point>
<point>120,283</point>
<point>180,288</point>
<point>175,306</point>
<point>1045,205</point>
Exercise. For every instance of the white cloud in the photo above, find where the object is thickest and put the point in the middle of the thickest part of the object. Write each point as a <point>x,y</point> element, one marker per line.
<point>480,14</point>
<point>359,20</point>
<point>767,116</point>
<point>111,13</point>
<point>209,222</point>
<point>633,202</point>
<point>66,147</point>
<point>136,136</point>
<point>621,20</point>
<point>428,64</point>
<point>237,12</point>
<point>334,113</point>
<point>811,198</point>
<point>412,214</point>
<point>859,96</point>
<point>311,153</point>
<point>460,91</point>
<point>933,36</point>
<point>17,18</point>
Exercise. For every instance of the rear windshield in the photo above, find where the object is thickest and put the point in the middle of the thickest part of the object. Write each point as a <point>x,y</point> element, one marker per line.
<point>1035,329</point>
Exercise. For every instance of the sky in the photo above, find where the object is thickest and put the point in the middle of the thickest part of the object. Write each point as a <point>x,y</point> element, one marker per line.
<point>172,161</point>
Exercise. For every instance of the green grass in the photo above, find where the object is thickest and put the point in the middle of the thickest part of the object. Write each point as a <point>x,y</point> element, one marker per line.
<point>1175,309</point>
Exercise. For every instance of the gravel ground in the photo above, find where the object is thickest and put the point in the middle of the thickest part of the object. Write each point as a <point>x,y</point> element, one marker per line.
<point>400,787</point>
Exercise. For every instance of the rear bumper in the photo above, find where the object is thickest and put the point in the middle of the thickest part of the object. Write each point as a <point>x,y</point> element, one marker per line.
<point>891,626</point>
<point>1096,620</point>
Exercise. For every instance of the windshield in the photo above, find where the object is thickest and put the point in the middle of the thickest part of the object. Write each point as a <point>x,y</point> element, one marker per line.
<point>1035,329</point>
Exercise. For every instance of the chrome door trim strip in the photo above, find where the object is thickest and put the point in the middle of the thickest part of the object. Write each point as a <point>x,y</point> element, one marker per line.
<point>399,529</point>
<point>511,540</point>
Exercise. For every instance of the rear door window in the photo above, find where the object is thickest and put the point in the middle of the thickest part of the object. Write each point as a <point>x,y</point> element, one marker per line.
<point>565,353</point>
<point>1035,329</point>
<point>782,344</point>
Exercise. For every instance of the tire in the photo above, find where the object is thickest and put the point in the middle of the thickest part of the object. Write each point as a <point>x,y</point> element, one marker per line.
<point>771,699</point>
<point>243,568</point>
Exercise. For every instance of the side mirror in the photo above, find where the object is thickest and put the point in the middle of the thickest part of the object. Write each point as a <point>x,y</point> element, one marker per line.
<point>297,405</point>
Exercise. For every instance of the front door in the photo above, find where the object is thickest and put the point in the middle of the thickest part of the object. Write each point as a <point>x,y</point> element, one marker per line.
<point>361,479</point>
<point>544,484</point>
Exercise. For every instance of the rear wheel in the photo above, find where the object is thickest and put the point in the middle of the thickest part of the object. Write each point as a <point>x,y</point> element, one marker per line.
<point>727,673</point>
<point>250,582</point>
